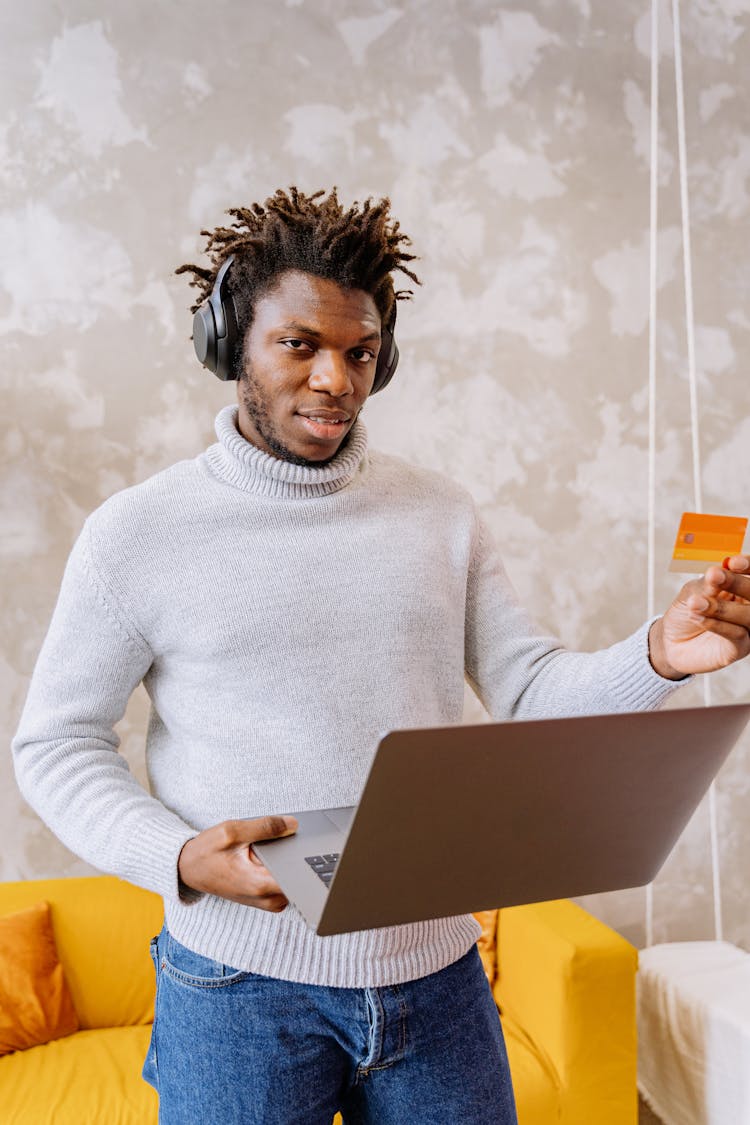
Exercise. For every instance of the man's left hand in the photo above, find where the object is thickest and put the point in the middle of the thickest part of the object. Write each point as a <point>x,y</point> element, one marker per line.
<point>707,626</point>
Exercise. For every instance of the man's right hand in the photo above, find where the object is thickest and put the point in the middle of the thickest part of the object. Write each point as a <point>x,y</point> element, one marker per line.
<point>220,861</point>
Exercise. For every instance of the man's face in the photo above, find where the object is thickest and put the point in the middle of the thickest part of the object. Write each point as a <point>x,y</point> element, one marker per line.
<point>309,364</point>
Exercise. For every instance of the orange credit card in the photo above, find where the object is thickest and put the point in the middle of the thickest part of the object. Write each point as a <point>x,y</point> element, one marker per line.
<point>704,540</point>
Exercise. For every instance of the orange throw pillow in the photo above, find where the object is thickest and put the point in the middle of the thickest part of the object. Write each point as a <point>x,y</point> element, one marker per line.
<point>35,1004</point>
<point>487,940</point>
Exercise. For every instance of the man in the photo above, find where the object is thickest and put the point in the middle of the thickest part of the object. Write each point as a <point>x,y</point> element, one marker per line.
<point>284,598</point>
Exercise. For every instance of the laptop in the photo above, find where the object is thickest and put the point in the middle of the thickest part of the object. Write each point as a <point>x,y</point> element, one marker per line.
<point>463,818</point>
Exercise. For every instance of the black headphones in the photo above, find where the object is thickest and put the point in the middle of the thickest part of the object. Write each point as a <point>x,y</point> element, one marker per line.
<point>215,328</point>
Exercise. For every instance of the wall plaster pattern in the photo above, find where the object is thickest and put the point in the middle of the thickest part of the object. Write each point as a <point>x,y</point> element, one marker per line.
<point>513,140</point>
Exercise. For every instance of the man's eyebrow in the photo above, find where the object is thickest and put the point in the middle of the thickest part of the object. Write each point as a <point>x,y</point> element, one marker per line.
<point>295,326</point>
<point>306,330</point>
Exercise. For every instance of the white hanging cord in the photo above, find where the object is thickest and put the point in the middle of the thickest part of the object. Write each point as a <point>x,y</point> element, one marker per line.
<point>687,257</point>
<point>653,261</point>
<point>692,381</point>
<point>714,830</point>
<point>694,427</point>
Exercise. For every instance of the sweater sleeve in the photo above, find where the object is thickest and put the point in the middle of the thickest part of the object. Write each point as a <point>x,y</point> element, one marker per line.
<point>518,672</point>
<point>66,751</point>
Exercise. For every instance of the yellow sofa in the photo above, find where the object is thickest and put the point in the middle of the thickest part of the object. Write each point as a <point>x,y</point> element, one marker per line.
<point>565,986</point>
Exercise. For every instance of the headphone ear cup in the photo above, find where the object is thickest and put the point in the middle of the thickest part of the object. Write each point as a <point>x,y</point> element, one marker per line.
<point>215,328</point>
<point>387,357</point>
<point>204,336</point>
<point>225,364</point>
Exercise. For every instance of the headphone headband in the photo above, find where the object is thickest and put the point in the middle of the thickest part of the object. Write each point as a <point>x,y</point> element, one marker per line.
<point>216,327</point>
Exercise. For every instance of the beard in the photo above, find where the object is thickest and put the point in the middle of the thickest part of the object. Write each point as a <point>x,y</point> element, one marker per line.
<point>255,403</point>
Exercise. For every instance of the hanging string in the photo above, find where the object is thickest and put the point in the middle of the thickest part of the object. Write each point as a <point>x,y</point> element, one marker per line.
<point>692,382</point>
<point>652,289</point>
<point>687,258</point>
<point>694,425</point>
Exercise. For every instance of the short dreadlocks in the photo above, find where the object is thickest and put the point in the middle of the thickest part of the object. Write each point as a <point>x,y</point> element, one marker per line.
<point>358,248</point>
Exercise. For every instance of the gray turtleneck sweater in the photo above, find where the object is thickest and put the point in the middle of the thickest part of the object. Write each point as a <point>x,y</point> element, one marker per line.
<point>281,618</point>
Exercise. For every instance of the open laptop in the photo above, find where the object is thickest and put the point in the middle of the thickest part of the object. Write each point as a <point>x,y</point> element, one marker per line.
<point>464,818</point>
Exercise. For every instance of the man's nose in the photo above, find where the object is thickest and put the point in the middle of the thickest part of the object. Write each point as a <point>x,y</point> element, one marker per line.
<point>331,373</point>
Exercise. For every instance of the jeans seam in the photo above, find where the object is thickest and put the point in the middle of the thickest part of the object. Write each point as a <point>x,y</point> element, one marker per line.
<point>152,1047</point>
<point>402,1014</point>
<point>181,976</point>
<point>375,1038</point>
<point>201,982</point>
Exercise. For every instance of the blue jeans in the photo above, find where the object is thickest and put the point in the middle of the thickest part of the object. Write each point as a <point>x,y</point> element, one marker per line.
<point>235,1048</point>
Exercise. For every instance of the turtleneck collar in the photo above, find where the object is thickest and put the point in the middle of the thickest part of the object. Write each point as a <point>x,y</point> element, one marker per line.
<point>241,464</point>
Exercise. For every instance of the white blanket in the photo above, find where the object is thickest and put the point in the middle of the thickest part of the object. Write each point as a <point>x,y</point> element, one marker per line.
<point>694,1032</point>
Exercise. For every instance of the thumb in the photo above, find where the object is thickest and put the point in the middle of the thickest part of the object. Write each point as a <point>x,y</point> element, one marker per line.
<point>269,827</point>
<point>277,826</point>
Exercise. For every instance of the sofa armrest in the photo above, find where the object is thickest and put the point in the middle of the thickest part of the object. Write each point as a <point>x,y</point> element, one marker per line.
<point>568,982</point>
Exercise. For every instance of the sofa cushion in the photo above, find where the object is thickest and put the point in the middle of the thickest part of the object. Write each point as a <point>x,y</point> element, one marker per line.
<point>535,1083</point>
<point>90,1078</point>
<point>102,928</point>
<point>94,1076</point>
<point>35,1004</point>
<point>487,941</point>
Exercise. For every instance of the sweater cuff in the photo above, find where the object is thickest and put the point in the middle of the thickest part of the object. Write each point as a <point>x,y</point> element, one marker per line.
<point>641,687</point>
<point>187,895</point>
<point>153,864</point>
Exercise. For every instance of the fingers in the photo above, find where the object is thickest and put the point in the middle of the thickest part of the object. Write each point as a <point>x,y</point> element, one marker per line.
<point>734,635</point>
<point>721,587</point>
<point>735,610</point>
<point>737,634</point>
<point>253,884</point>
<point>732,578</point>
<point>719,606</point>
<point>266,892</point>
<point>263,883</point>
<point>275,904</point>
<point>261,828</point>
<point>220,861</point>
<point>737,563</point>
<point>708,624</point>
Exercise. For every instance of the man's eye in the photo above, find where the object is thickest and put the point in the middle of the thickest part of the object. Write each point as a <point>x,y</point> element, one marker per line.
<point>296,345</point>
<point>363,355</point>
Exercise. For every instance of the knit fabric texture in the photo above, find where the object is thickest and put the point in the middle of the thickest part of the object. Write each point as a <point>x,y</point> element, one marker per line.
<point>282,618</point>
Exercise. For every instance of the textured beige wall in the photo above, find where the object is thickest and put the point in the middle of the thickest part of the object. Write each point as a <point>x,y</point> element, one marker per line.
<point>513,140</point>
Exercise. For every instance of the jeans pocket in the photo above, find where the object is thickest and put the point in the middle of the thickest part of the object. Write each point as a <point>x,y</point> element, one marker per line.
<point>153,949</point>
<point>190,968</point>
<point>149,1072</point>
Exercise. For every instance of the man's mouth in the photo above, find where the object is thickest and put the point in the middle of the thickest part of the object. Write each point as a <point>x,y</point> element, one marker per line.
<point>327,424</point>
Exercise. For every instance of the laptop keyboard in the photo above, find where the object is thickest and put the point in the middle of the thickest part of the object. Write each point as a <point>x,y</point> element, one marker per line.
<point>324,866</point>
